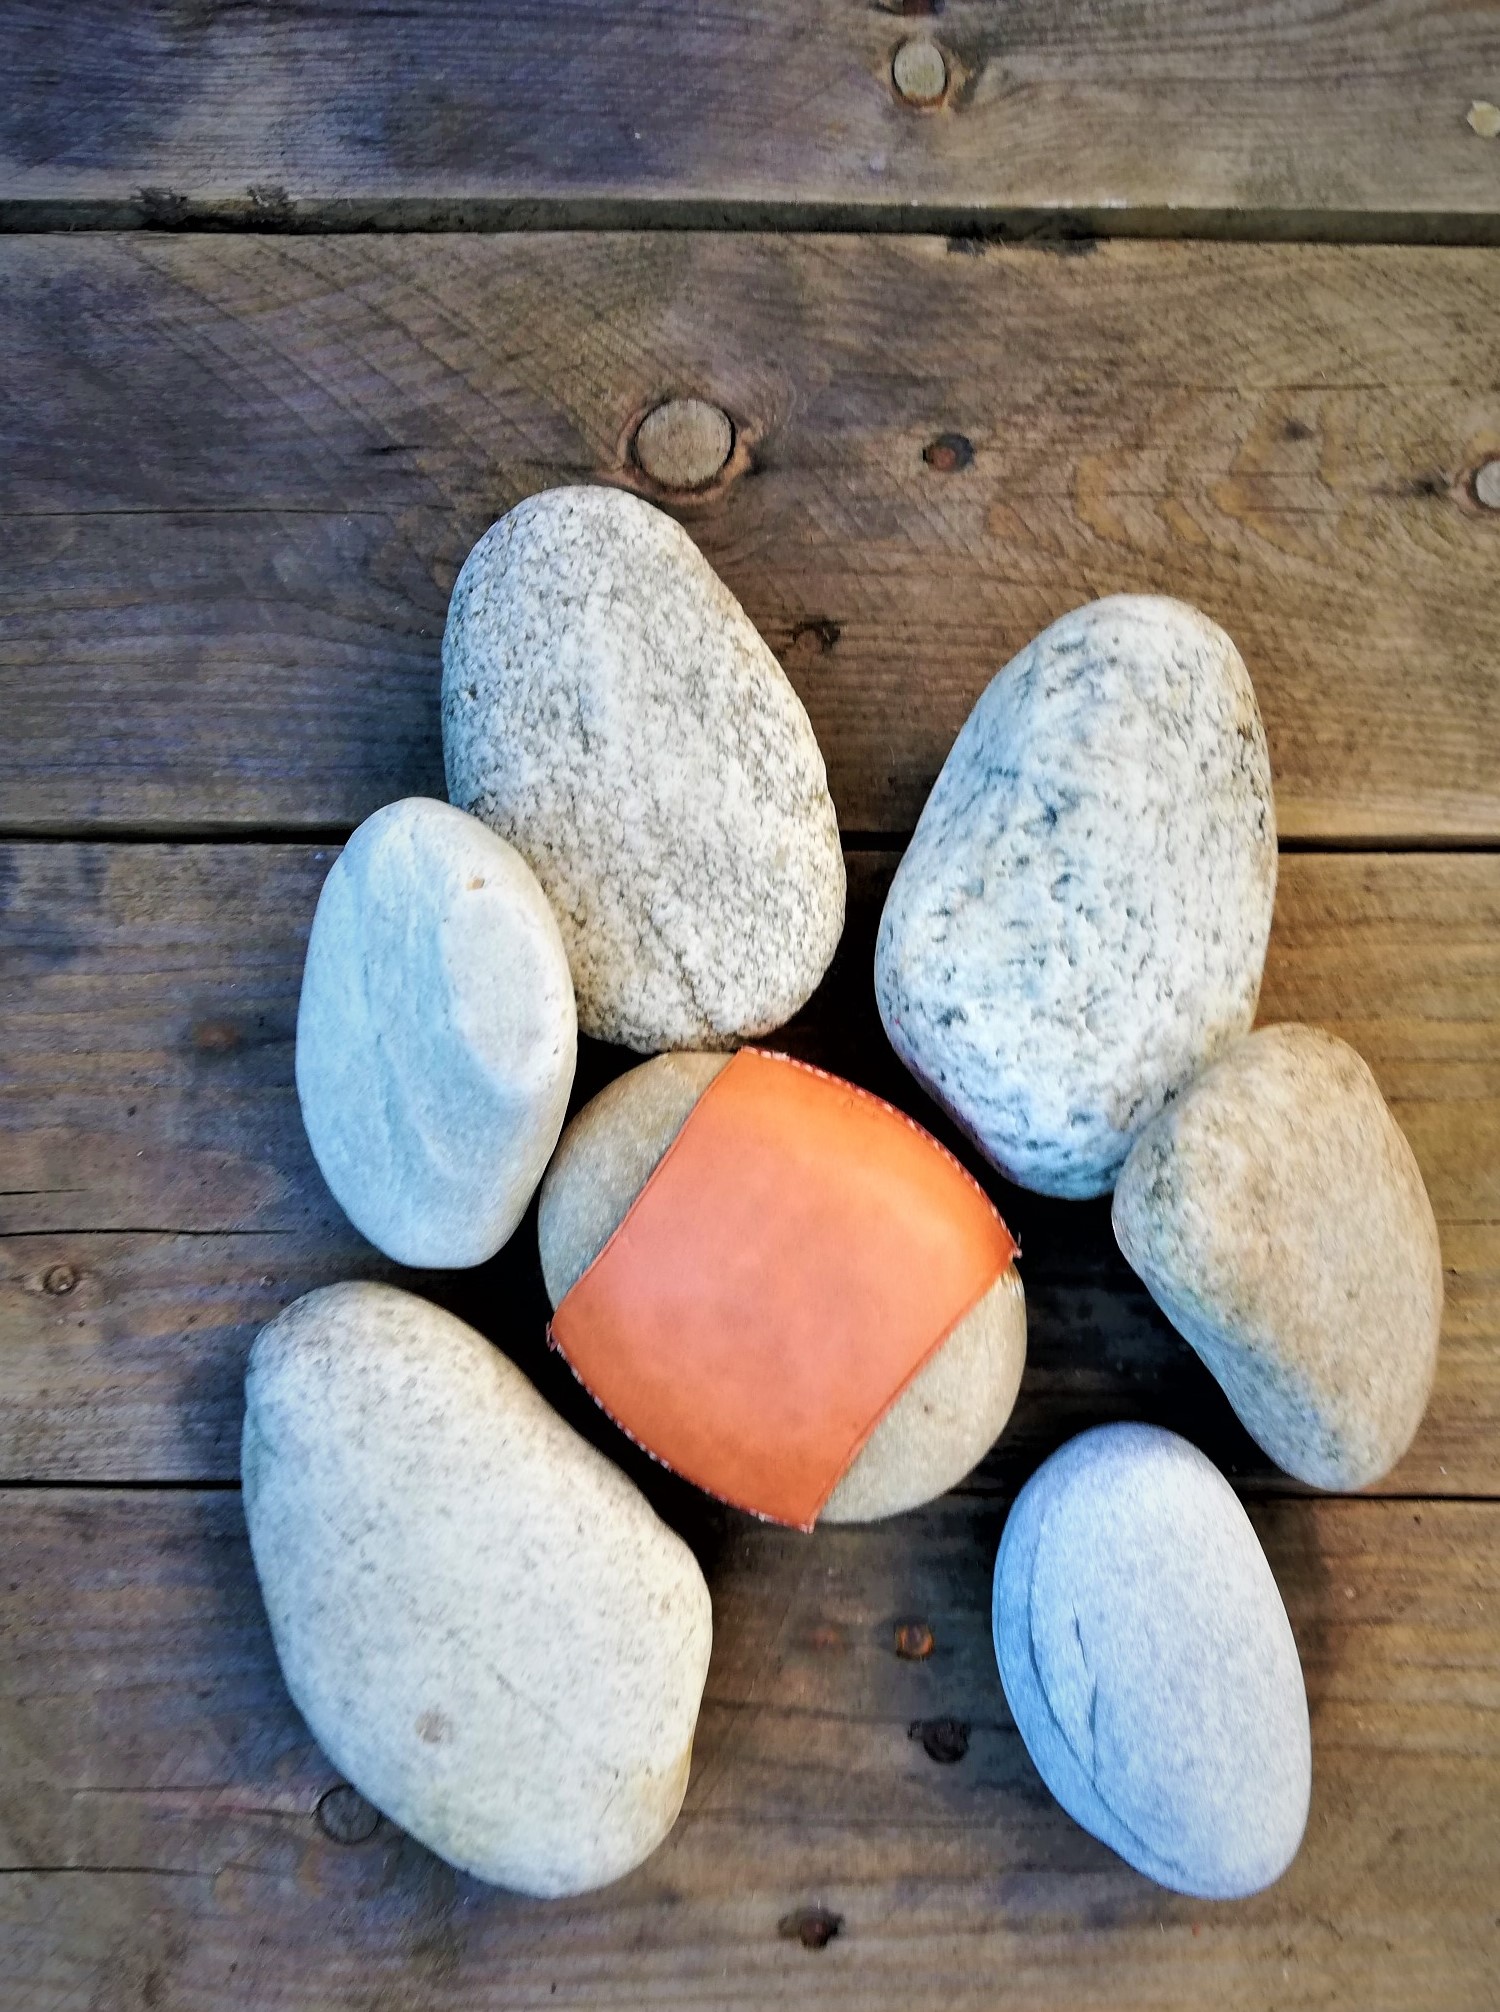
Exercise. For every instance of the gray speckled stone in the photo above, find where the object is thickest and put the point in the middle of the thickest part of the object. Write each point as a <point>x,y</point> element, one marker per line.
<point>1080,921</point>
<point>485,1626</point>
<point>1279,1218</point>
<point>1149,1664</point>
<point>436,1036</point>
<point>609,708</point>
<point>949,1415</point>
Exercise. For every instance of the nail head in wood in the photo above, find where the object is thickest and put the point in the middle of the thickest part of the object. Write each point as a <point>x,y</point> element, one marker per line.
<point>920,71</point>
<point>813,1927</point>
<point>345,1816</point>
<point>914,1641</point>
<point>1484,118</point>
<point>1487,484</point>
<point>59,1279</point>
<point>945,1741</point>
<point>685,443</point>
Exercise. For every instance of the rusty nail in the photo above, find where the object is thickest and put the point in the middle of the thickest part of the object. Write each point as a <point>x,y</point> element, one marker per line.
<point>813,1927</point>
<point>345,1816</point>
<point>949,452</point>
<point>58,1279</point>
<point>920,71</point>
<point>914,1641</point>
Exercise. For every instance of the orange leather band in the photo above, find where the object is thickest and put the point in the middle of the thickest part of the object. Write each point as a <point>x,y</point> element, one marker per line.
<point>798,1254</point>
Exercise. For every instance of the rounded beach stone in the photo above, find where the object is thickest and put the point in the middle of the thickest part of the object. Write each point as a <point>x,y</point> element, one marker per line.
<point>948,1416</point>
<point>487,1629</point>
<point>436,1034</point>
<point>1080,921</point>
<point>1149,1663</point>
<point>1279,1219</point>
<point>608,708</point>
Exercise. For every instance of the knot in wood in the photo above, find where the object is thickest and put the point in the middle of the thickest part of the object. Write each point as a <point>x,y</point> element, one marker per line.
<point>684,443</point>
<point>919,71</point>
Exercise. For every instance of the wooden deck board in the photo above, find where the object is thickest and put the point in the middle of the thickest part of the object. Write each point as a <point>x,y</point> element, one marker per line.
<point>1274,114</point>
<point>151,1128</point>
<point>146,1728</point>
<point>237,477</point>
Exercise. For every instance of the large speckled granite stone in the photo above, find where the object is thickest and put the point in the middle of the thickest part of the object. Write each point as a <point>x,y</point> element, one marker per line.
<point>1279,1218</point>
<point>608,708</point>
<point>486,1627</point>
<point>1080,921</point>
<point>1149,1664</point>
<point>948,1416</point>
<point>436,1036</point>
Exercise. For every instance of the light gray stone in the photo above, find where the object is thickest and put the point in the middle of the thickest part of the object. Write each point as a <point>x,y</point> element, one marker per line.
<point>608,707</point>
<point>436,1034</point>
<point>1149,1663</point>
<point>485,1626</point>
<point>1279,1219</point>
<point>1080,921</point>
<point>949,1415</point>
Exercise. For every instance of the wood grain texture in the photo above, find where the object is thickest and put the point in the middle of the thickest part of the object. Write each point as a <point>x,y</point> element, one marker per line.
<point>146,1735</point>
<point>1182,114</point>
<point>237,478</point>
<point>163,1202</point>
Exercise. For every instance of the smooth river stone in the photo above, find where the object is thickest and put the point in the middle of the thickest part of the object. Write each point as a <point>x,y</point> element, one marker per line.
<point>1080,921</point>
<point>608,707</point>
<point>1279,1219</point>
<point>486,1627</point>
<point>436,1034</point>
<point>949,1415</point>
<point>1149,1663</point>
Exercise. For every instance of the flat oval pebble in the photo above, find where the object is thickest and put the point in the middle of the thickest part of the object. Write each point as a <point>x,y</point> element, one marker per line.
<point>487,1629</point>
<point>1149,1663</point>
<point>608,708</point>
<point>1080,921</point>
<point>1279,1218</point>
<point>944,1421</point>
<point>436,1034</point>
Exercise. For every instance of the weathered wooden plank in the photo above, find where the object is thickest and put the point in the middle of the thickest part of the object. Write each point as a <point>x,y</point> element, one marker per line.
<point>163,1201</point>
<point>238,475</point>
<point>146,1737</point>
<point>1279,113</point>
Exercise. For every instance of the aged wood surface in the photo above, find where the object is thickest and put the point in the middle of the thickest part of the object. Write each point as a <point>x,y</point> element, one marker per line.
<point>237,476</point>
<point>1270,115</point>
<point>164,1201</point>
<point>146,1736</point>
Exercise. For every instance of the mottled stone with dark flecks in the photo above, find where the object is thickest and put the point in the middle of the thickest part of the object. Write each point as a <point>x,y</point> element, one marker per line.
<point>488,1630</point>
<point>1080,921</point>
<point>948,1416</point>
<point>609,708</point>
<point>1149,1664</point>
<point>1280,1220</point>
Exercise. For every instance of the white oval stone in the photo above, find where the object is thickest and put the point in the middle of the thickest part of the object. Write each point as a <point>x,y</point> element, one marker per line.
<point>1080,921</point>
<point>486,1627</point>
<point>436,1034</point>
<point>944,1421</point>
<point>608,708</point>
<point>1279,1219</point>
<point>1149,1664</point>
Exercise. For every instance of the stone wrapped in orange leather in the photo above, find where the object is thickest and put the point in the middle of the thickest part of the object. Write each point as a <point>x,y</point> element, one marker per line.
<point>799,1252</point>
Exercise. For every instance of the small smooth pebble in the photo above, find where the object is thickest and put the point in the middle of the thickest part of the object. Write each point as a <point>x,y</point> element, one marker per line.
<point>487,1629</point>
<point>1279,1219</point>
<point>1080,921</point>
<point>608,708</point>
<point>949,1415</point>
<point>1149,1663</point>
<point>436,1034</point>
